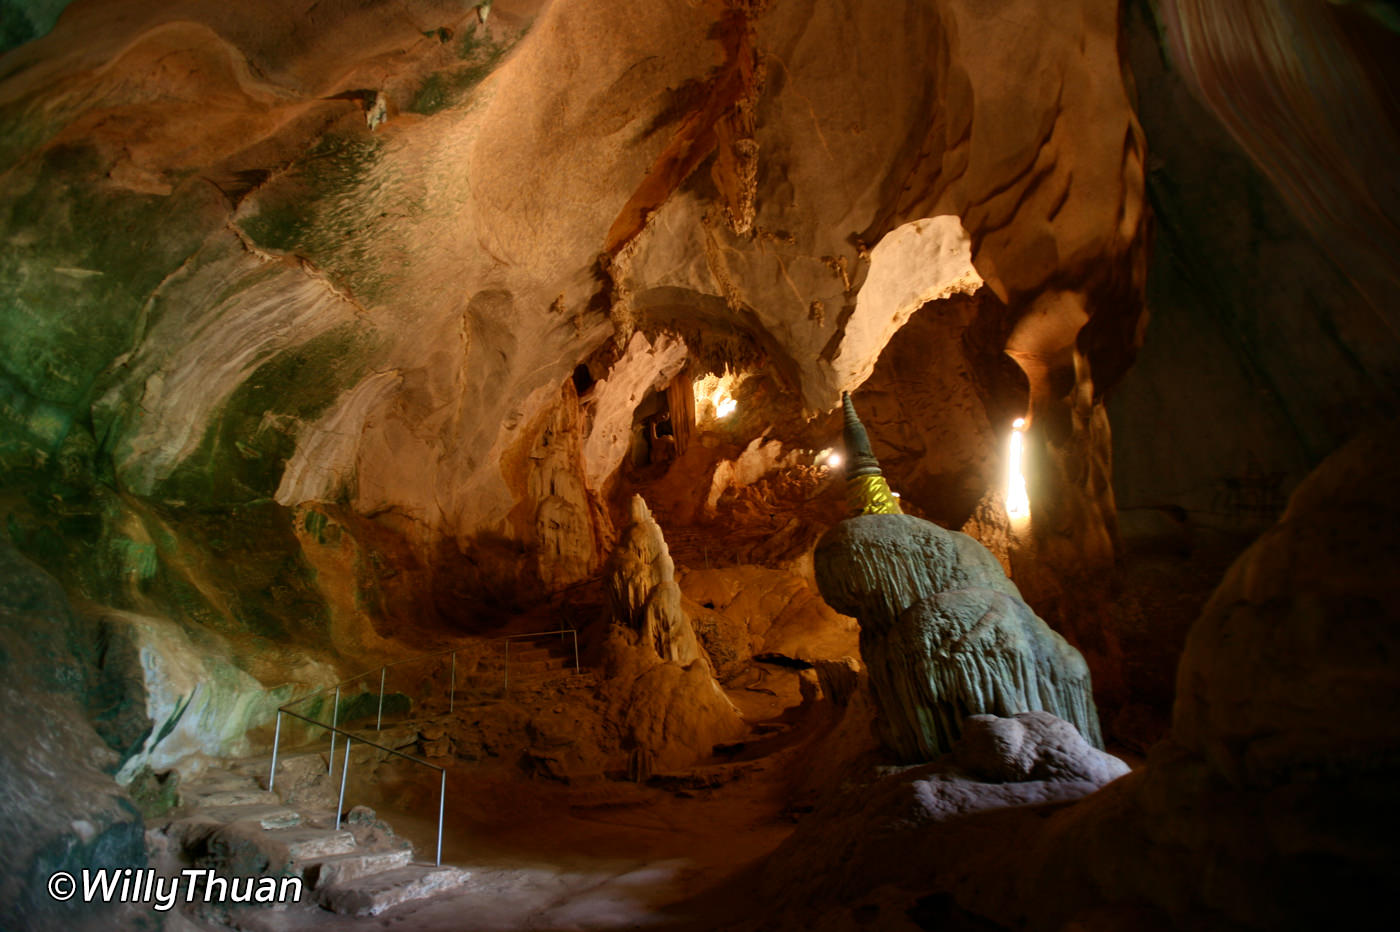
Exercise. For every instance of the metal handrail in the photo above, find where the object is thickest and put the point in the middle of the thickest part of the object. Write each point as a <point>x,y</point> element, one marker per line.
<point>334,728</point>
<point>345,769</point>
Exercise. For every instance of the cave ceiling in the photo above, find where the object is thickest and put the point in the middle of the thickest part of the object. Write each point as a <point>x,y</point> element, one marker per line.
<point>286,255</point>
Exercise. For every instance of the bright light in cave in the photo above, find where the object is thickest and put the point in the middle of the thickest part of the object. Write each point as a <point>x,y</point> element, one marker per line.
<point>1018,503</point>
<point>829,457</point>
<point>714,397</point>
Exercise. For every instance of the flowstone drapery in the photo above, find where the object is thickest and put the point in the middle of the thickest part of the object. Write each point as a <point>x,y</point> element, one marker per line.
<point>945,634</point>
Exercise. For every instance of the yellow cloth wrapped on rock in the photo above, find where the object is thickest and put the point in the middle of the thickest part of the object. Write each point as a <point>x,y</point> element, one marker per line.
<point>871,495</point>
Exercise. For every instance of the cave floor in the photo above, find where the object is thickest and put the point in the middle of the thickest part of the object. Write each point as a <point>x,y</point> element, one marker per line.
<point>592,852</point>
<point>636,869</point>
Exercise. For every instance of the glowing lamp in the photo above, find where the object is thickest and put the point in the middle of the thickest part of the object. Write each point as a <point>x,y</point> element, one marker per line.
<point>1018,503</point>
<point>833,460</point>
<point>725,407</point>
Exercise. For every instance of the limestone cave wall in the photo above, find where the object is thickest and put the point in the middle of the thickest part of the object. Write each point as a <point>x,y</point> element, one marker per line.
<point>293,292</point>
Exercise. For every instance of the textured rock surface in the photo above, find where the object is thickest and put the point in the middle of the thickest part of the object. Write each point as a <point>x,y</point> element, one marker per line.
<point>945,634</point>
<point>62,808</point>
<point>662,686</point>
<point>63,811</point>
<point>293,294</point>
<point>1031,746</point>
<point>670,716</point>
<point>1317,116</point>
<point>749,611</point>
<point>973,650</point>
<point>919,822</point>
<point>876,566</point>
<point>1288,351</point>
<point>348,255</point>
<point>644,593</point>
<point>1288,670</point>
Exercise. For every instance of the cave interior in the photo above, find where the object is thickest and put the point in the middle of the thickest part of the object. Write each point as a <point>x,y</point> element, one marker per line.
<point>425,474</point>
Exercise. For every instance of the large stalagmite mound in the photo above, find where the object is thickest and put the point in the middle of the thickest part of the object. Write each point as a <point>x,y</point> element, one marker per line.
<point>945,634</point>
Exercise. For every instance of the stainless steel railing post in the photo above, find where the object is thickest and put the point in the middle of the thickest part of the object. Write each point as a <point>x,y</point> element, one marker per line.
<point>452,684</point>
<point>276,740</point>
<point>345,769</point>
<point>576,666</point>
<point>442,802</point>
<point>379,722</point>
<point>335,721</point>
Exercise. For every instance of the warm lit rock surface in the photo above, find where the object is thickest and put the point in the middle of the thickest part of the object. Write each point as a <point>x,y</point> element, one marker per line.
<point>328,327</point>
<point>662,685</point>
<point>645,597</point>
<point>751,611</point>
<point>350,255</point>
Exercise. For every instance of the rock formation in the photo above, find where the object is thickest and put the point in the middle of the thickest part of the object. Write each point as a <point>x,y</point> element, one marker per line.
<point>1271,799</point>
<point>751,611</point>
<point>662,685</point>
<point>945,634</point>
<point>1031,746</point>
<point>645,597</point>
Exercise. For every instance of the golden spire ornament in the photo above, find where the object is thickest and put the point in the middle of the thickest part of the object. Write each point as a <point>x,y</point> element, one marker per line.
<point>867,492</point>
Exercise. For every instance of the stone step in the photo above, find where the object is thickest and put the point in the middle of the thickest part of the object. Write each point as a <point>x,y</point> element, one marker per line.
<point>218,799</point>
<point>340,869</point>
<point>304,844</point>
<point>529,667</point>
<point>532,678</point>
<point>373,894</point>
<point>292,767</point>
<point>246,848</point>
<point>218,781</point>
<point>270,818</point>
<point>480,680</point>
<point>541,653</point>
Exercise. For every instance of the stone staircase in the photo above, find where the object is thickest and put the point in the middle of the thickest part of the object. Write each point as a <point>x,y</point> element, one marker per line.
<point>228,823</point>
<point>532,661</point>
<point>541,659</point>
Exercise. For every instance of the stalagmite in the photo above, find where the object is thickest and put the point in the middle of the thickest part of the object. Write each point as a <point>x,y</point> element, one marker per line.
<point>642,586</point>
<point>658,680</point>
